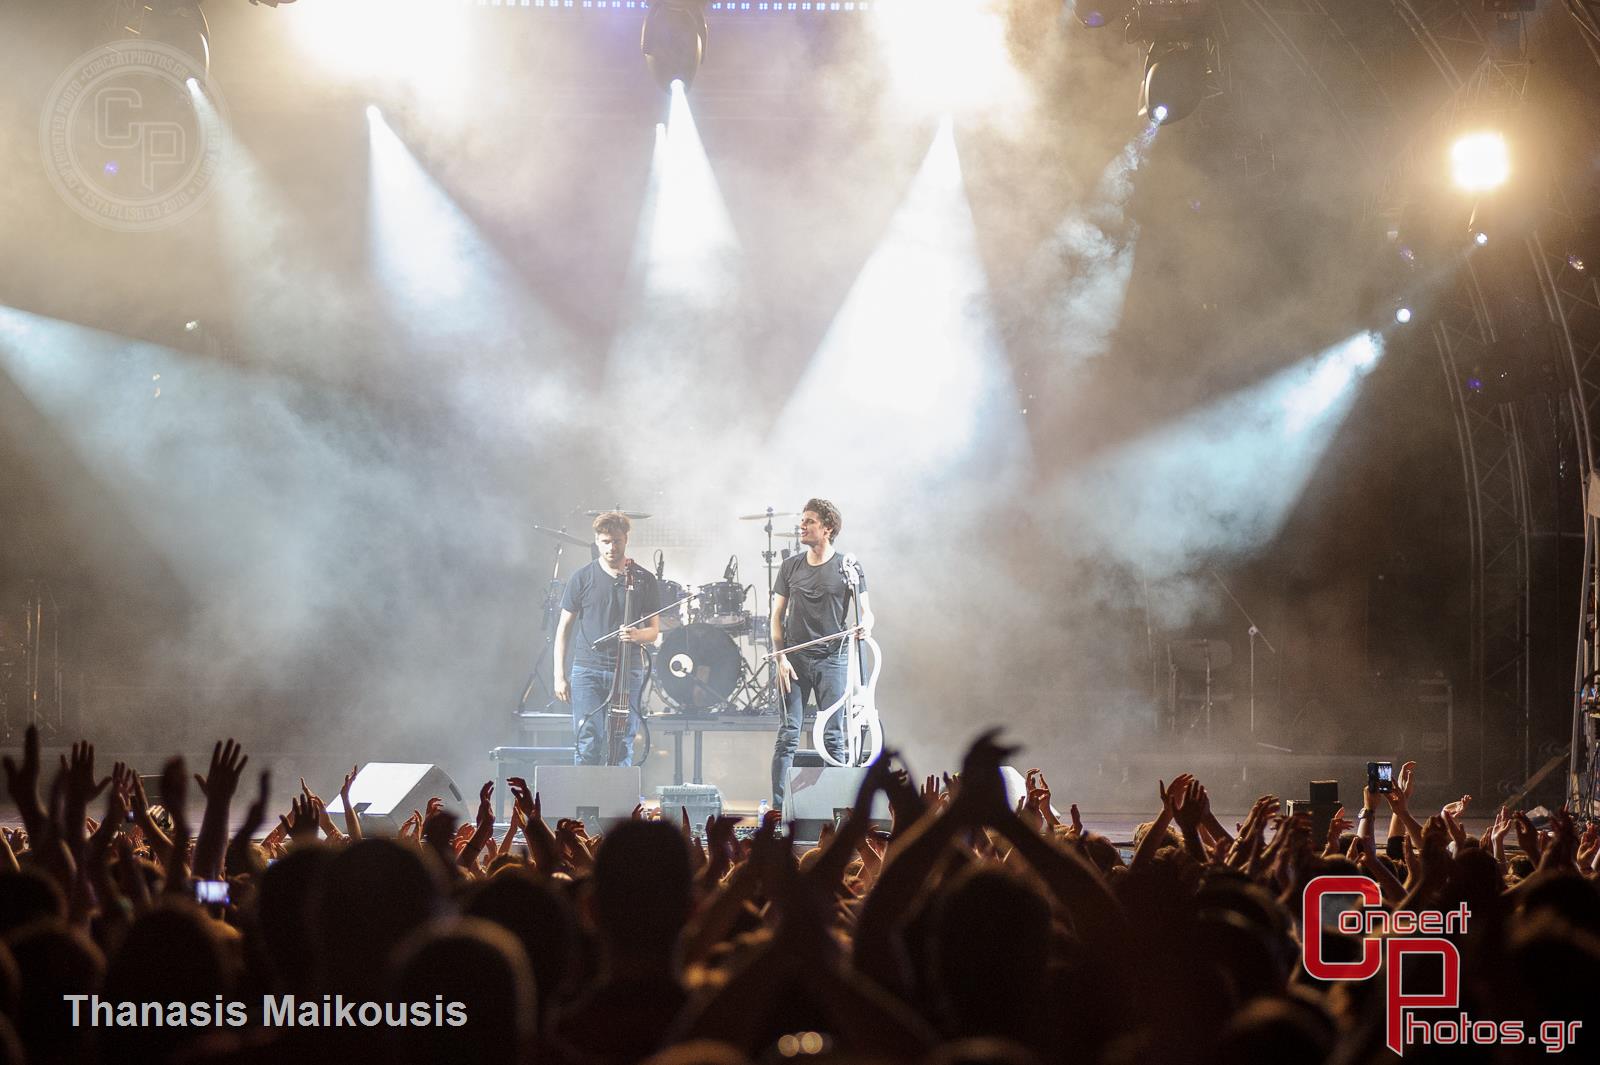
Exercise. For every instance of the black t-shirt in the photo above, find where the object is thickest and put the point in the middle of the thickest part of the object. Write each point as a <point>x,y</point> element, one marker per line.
<point>819,602</point>
<point>595,596</point>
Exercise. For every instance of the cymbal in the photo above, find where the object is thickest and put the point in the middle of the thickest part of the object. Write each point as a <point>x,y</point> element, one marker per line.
<point>564,537</point>
<point>764,517</point>
<point>634,514</point>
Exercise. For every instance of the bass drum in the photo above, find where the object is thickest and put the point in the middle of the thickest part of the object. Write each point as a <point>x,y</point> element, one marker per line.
<point>697,667</point>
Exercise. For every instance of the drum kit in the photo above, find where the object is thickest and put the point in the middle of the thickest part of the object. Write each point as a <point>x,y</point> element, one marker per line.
<point>708,658</point>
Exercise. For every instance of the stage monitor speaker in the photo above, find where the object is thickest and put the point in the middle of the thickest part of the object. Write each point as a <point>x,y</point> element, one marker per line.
<point>385,793</point>
<point>818,795</point>
<point>594,794</point>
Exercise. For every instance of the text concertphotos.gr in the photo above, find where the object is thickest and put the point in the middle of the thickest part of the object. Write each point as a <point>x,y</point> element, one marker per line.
<point>275,1011</point>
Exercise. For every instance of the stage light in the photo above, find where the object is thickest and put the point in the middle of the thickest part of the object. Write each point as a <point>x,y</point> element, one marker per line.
<point>1402,315</point>
<point>1480,238</point>
<point>373,114</point>
<point>674,40</point>
<point>1174,82</point>
<point>1095,14</point>
<point>951,57</point>
<point>1169,21</point>
<point>1480,161</point>
<point>178,24</point>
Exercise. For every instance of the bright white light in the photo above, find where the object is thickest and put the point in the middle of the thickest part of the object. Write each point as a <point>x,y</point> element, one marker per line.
<point>1328,380</point>
<point>691,236</point>
<point>912,377</point>
<point>190,326</point>
<point>194,86</point>
<point>1480,238</point>
<point>1222,479</point>
<point>1159,113</point>
<point>950,56</point>
<point>414,42</point>
<point>1480,161</point>
<point>1403,315</point>
<point>373,114</point>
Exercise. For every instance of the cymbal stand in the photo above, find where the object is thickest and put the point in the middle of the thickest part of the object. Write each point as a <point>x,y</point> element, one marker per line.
<point>549,611</point>
<point>1255,634</point>
<point>770,556</point>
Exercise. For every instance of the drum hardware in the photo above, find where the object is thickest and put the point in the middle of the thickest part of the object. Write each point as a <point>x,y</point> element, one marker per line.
<point>633,515</point>
<point>32,663</point>
<point>562,535</point>
<point>768,515</point>
<point>1196,656</point>
<point>551,611</point>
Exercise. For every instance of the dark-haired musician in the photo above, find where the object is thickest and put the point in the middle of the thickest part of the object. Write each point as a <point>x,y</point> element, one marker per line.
<point>592,605</point>
<point>811,600</point>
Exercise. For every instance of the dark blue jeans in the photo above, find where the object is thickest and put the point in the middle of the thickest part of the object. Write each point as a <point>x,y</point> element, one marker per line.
<point>590,690</point>
<point>824,680</point>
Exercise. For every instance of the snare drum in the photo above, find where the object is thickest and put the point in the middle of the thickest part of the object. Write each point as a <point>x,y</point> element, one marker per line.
<point>722,604</point>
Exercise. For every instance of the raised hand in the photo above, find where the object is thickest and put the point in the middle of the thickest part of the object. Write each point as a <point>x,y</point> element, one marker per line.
<point>1336,830</point>
<point>22,782</point>
<point>1170,794</point>
<point>1496,834</point>
<point>301,824</point>
<point>81,785</point>
<point>981,797</point>
<point>1589,845</point>
<point>522,799</point>
<point>227,765</point>
<point>352,819</point>
<point>1527,838</point>
<point>237,858</point>
<point>411,827</point>
<point>1561,852</point>
<point>719,847</point>
<point>1399,796</point>
<point>1458,808</point>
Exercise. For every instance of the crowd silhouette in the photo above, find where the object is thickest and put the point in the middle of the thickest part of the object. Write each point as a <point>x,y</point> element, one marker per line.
<point>971,932</point>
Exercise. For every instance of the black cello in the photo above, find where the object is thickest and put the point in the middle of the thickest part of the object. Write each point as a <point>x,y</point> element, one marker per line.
<point>619,714</point>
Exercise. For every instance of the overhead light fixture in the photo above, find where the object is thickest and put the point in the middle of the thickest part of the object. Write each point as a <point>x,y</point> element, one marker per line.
<point>1096,14</point>
<point>1402,314</point>
<point>674,40</point>
<point>1170,20</point>
<point>1174,82</point>
<point>1480,161</point>
<point>178,24</point>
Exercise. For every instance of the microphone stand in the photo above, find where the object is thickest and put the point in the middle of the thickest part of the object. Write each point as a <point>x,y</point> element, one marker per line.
<point>552,603</point>
<point>1255,634</point>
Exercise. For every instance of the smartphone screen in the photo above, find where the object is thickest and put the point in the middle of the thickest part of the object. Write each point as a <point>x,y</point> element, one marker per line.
<point>211,892</point>
<point>1380,776</point>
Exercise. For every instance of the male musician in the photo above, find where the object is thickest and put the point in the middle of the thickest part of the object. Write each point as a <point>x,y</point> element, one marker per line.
<point>810,599</point>
<point>592,604</point>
